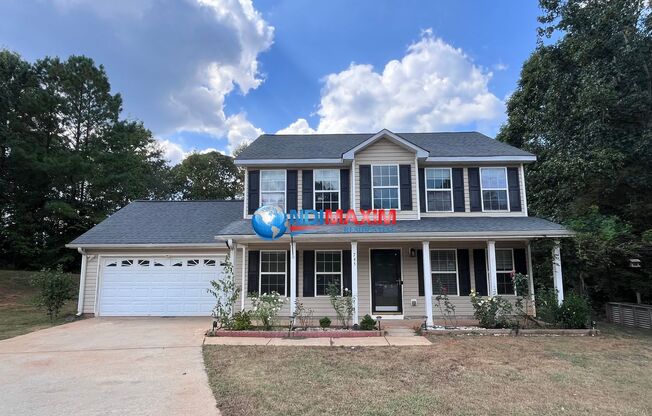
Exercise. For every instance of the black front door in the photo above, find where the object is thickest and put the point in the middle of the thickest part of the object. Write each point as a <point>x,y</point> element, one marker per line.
<point>386,281</point>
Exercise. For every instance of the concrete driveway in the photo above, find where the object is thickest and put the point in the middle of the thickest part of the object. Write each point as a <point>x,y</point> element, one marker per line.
<point>105,366</point>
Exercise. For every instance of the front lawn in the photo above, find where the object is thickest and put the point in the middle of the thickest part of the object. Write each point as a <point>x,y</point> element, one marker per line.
<point>609,374</point>
<point>18,315</point>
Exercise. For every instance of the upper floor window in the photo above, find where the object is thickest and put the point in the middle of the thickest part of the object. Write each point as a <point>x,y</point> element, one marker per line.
<point>493,182</point>
<point>443,265</point>
<point>272,272</point>
<point>385,186</point>
<point>504,270</point>
<point>439,189</point>
<point>328,271</point>
<point>272,188</point>
<point>327,189</point>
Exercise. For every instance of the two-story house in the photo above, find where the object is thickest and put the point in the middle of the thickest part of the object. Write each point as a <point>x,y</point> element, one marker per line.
<point>461,225</point>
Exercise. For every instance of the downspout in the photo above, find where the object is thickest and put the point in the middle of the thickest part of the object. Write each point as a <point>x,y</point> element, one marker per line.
<point>82,282</point>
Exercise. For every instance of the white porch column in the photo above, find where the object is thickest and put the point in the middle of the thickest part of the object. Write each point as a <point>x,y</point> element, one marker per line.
<point>556,272</point>
<point>354,280</point>
<point>293,277</point>
<point>530,277</point>
<point>244,276</point>
<point>491,260</point>
<point>427,282</point>
<point>232,259</point>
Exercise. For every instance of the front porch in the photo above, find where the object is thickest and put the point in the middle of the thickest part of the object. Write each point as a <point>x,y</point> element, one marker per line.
<point>385,278</point>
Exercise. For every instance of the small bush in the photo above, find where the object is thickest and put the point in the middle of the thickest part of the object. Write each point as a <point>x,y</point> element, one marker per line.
<point>55,289</point>
<point>368,323</point>
<point>325,322</point>
<point>241,321</point>
<point>265,308</point>
<point>575,312</point>
<point>492,311</point>
<point>547,306</point>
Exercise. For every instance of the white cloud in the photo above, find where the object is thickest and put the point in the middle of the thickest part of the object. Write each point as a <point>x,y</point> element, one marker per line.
<point>433,87</point>
<point>183,58</point>
<point>500,66</point>
<point>300,126</point>
<point>172,152</point>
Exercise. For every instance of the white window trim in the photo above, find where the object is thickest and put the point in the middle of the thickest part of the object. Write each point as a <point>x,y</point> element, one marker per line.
<point>339,188</point>
<point>506,189</point>
<point>457,271</point>
<point>450,175</point>
<point>505,271</point>
<point>285,187</point>
<point>341,273</point>
<point>398,185</point>
<point>260,271</point>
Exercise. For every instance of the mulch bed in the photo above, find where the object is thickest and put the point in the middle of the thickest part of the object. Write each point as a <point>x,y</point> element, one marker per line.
<point>335,333</point>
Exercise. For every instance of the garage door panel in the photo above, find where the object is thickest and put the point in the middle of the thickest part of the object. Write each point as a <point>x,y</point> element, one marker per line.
<point>153,286</point>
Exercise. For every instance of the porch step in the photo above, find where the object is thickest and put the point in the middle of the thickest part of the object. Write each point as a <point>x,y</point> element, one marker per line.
<point>399,332</point>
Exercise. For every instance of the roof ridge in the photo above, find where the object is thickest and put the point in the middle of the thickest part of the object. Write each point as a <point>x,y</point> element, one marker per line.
<point>188,200</point>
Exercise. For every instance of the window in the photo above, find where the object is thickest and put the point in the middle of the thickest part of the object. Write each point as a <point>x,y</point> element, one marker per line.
<point>112,264</point>
<point>443,264</point>
<point>209,263</point>
<point>493,182</point>
<point>439,189</point>
<point>194,262</point>
<point>272,188</point>
<point>504,270</point>
<point>126,263</point>
<point>144,263</point>
<point>327,189</point>
<point>328,270</point>
<point>272,272</point>
<point>385,186</point>
<point>158,264</point>
<point>177,263</point>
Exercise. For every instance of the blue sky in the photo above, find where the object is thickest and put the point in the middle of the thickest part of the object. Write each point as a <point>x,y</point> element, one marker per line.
<point>208,74</point>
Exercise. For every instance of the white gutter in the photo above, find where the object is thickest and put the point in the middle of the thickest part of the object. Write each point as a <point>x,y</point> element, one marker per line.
<point>263,162</point>
<point>82,282</point>
<point>127,245</point>
<point>464,159</point>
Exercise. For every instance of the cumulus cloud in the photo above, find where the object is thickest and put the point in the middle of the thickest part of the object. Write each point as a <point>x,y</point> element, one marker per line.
<point>300,126</point>
<point>435,86</point>
<point>175,60</point>
<point>172,152</point>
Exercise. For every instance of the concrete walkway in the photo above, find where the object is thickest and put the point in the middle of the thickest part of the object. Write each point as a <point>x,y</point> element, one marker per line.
<point>320,342</point>
<point>102,366</point>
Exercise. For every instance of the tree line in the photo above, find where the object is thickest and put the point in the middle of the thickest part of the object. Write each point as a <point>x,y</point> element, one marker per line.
<point>583,105</point>
<point>68,159</point>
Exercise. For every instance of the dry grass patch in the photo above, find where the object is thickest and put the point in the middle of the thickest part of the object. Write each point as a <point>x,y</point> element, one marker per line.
<point>460,376</point>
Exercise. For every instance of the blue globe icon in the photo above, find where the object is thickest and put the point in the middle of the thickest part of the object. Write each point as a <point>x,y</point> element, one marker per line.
<point>269,222</point>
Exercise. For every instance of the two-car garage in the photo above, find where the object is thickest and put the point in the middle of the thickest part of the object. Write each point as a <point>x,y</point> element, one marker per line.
<point>157,286</point>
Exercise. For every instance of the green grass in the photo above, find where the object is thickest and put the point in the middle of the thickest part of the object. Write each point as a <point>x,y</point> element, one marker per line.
<point>18,315</point>
<point>609,374</point>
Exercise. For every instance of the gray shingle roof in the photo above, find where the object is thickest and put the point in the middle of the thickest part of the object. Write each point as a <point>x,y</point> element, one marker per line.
<point>431,225</point>
<point>327,146</point>
<point>164,222</point>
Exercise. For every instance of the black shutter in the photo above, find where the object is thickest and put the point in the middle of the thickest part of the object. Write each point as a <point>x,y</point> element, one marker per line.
<point>345,190</point>
<point>422,189</point>
<point>474,190</point>
<point>480,270</point>
<point>287,274</point>
<point>253,274</point>
<point>464,271</point>
<point>253,183</point>
<point>458,189</point>
<point>306,188</point>
<point>514,189</point>
<point>291,190</point>
<point>308,273</point>
<point>346,270</point>
<point>520,261</point>
<point>422,290</point>
<point>365,186</point>
<point>405,182</point>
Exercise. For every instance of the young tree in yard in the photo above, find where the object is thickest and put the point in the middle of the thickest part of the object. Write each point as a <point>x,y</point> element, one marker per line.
<point>55,289</point>
<point>584,107</point>
<point>207,176</point>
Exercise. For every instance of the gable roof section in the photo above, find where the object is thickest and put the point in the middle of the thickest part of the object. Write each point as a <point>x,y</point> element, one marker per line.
<point>331,148</point>
<point>163,222</point>
<point>388,135</point>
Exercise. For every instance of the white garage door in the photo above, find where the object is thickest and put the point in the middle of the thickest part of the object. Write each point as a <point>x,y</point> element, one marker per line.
<point>154,286</point>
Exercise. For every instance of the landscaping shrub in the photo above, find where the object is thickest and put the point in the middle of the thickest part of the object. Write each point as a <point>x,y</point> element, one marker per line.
<point>343,305</point>
<point>492,311</point>
<point>303,315</point>
<point>241,321</point>
<point>367,323</point>
<point>325,322</point>
<point>575,312</point>
<point>547,306</point>
<point>265,308</point>
<point>55,289</point>
<point>226,294</point>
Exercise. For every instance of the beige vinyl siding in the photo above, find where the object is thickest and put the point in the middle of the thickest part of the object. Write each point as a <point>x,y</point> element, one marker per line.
<point>385,152</point>
<point>90,284</point>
